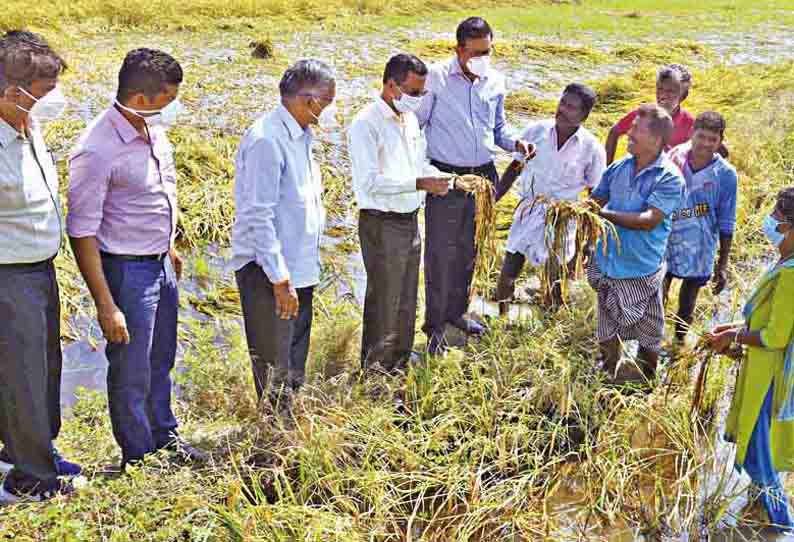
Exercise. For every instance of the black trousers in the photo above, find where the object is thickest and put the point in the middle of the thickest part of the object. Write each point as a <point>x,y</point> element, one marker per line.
<point>450,250</point>
<point>391,247</point>
<point>278,348</point>
<point>30,372</point>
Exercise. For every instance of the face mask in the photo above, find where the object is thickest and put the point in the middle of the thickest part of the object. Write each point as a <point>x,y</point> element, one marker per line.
<point>164,117</point>
<point>770,229</point>
<point>47,108</point>
<point>327,118</point>
<point>479,65</point>
<point>407,104</point>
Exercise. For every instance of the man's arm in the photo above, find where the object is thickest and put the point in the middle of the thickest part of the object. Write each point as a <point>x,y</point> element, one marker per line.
<point>367,175</point>
<point>645,220</point>
<point>502,133</point>
<point>721,271</point>
<point>726,219</point>
<point>261,180</point>
<point>509,177</point>
<point>89,180</point>
<point>611,145</point>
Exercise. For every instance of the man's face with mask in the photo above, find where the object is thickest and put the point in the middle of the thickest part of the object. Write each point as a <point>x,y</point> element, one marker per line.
<point>475,55</point>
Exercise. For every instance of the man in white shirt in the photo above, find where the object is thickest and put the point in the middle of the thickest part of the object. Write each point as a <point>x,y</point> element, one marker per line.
<point>30,238</point>
<point>390,179</point>
<point>568,160</point>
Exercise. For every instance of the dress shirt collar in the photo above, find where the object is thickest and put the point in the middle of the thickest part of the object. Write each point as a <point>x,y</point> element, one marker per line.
<point>659,163</point>
<point>556,138</point>
<point>124,128</point>
<point>7,133</point>
<point>386,111</point>
<point>293,128</point>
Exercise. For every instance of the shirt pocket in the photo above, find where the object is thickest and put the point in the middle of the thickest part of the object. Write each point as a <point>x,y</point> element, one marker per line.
<point>485,109</point>
<point>135,172</point>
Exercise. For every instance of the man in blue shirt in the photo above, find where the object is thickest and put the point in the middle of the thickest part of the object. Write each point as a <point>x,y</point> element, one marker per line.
<point>638,195</point>
<point>705,217</point>
<point>463,116</point>
<point>276,235</point>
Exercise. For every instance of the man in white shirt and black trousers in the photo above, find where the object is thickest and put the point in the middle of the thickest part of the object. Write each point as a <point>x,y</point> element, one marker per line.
<point>390,179</point>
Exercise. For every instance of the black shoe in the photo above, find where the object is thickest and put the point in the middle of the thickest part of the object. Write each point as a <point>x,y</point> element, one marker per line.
<point>185,452</point>
<point>469,326</point>
<point>9,495</point>
<point>62,466</point>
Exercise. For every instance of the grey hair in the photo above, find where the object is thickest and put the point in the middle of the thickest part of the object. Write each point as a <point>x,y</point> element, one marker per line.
<point>668,73</point>
<point>305,74</point>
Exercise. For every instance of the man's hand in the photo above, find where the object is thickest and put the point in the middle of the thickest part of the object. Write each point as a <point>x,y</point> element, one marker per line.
<point>720,280</point>
<point>176,261</point>
<point>286,300</point>
<point>527,149</point>
<point>113,324</point>
<point>437,186</point>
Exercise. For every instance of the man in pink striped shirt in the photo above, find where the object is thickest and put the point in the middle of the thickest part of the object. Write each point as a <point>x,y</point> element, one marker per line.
<point>122,223</point>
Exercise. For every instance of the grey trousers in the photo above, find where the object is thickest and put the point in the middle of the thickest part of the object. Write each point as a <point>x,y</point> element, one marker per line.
<point>278,348</point>
<point>392,248</point>
<point>30,372</point>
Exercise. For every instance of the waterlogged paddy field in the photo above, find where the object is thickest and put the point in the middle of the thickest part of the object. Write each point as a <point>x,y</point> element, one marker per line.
<point>512,439</point>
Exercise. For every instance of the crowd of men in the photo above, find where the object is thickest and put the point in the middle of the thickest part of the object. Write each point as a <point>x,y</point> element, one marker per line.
<point>672,201</point>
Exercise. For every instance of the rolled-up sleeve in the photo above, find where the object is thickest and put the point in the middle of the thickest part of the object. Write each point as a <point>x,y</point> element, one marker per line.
<point>263,164</point>
<point>779,331</point>
<point>89,181</point>
<point>367,175</point>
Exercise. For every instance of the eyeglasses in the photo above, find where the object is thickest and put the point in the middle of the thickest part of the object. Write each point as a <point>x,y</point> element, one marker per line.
<point>413,93</point>
<point>316,97</point>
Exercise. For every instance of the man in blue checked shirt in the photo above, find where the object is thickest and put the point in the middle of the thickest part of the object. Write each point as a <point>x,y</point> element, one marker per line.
<point>463,115</point>
<point>705,217</point>
<point>638,195</point>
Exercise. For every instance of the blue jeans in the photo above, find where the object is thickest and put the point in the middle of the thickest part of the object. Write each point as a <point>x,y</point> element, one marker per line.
<point>139,379</point>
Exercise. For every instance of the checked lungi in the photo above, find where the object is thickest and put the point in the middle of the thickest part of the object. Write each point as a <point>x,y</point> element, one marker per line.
<point>629,309</point>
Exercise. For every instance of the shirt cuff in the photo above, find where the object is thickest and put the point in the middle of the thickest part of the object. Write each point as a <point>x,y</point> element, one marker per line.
<point>275,268</point>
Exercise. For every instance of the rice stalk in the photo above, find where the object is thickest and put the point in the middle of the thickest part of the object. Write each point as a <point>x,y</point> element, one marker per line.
<point>484,235</point>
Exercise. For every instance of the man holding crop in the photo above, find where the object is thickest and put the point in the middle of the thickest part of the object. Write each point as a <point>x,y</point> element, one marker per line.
<point>705,217</point>
<point>390,179</point>
<point>30,238</point>
<point>122,225</point>
<point>669,90</point>
<point>568,160</point>
<point>276,235</point>
<point>638,195</point>
<point>464,119</point>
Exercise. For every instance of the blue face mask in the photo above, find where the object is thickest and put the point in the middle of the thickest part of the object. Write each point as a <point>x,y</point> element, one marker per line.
<point>770,229</point>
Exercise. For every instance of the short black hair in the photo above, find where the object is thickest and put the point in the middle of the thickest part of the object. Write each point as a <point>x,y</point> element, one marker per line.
<point>585,93</point>
<point>785,202</point>
<point>712,121</point>
<point>667,73</point>
<point>399,66</point>
<point>473,28</point>
<point>25,57</point>
<point>305,74</point>
<point>147,71</point>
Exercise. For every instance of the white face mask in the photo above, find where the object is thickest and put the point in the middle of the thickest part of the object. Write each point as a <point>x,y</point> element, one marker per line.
<point>407,104</point>
<point>164,117</point>
<point>47,108</point>
<point>479,65</point>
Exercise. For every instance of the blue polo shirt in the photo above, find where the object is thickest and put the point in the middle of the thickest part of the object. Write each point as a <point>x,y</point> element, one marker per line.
<point>706,211</point>
<point>640,253</point>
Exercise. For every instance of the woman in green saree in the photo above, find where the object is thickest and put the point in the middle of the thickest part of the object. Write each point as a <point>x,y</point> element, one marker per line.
<point>761,419</point>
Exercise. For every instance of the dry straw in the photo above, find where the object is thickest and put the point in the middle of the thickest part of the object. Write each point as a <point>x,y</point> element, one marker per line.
<point>484,239</point>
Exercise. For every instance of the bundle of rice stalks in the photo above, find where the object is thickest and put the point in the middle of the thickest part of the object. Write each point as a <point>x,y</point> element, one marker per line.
<point>590,227</point>
<point>484,238</point>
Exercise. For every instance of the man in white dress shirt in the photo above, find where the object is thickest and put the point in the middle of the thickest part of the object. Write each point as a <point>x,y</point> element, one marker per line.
<point>568,160</point>
<point>390,179</point>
